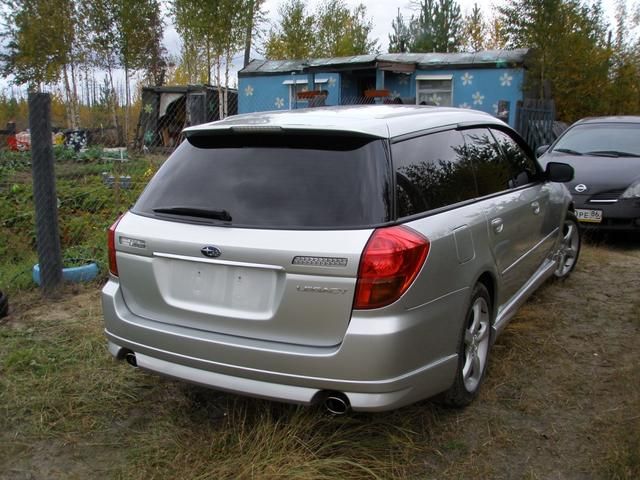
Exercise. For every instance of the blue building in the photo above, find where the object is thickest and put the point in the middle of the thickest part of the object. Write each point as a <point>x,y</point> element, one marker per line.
<point>490,81</point>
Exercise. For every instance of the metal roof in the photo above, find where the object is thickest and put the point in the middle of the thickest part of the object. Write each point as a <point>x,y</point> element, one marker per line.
<point>383,121</point>
<point>426,61</point>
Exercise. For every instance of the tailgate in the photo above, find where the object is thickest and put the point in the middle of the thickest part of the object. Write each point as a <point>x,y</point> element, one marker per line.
<point>278,285</point>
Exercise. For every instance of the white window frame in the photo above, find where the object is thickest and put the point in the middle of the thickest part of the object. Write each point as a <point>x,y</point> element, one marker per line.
<point>293,89</point>
<point>431,91</point>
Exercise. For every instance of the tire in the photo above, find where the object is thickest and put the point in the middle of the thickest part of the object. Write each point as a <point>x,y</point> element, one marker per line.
<point>569,249</point>
<point>473,350</point>
<point>4,305</point>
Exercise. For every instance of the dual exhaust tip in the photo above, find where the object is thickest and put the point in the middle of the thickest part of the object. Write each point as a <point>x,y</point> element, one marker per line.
<point>335,403</point>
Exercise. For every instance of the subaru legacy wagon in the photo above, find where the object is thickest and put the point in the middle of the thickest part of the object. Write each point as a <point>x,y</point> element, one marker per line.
<point>355,257</point>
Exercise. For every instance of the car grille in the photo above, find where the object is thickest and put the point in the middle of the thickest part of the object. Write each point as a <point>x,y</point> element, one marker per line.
<point>606,197</point>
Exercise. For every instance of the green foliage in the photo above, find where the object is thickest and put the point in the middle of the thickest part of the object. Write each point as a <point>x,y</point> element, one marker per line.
<point>437,28</point>
<point>475,30</point>
<point>212,32</point>
<point>570,56</point>
<point>331,31</point>
<point>400,37</point>
<point>86,208</point>
<point>39,36</point>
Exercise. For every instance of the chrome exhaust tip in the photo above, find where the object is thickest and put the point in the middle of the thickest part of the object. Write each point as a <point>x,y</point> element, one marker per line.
<point>337,404</point>
<point>130,357</point>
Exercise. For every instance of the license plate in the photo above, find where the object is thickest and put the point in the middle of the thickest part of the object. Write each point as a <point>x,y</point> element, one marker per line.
<point>591,216</point>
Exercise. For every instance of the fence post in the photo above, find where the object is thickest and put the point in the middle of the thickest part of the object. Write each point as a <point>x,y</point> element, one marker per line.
<point>44,193</point>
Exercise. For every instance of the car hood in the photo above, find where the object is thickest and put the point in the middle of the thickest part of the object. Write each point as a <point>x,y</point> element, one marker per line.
<point>601,173</point>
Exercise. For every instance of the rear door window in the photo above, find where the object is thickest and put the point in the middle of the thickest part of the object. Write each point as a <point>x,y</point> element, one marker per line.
<point>273,181</point>
<point>432,171</point>
<point>522,167</point>
<point>491,169</point>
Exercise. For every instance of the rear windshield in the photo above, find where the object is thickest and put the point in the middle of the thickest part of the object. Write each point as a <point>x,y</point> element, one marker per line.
<point>273,181</point>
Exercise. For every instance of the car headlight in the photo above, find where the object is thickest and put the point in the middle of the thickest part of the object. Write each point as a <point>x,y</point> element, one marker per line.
<point>633,191</point>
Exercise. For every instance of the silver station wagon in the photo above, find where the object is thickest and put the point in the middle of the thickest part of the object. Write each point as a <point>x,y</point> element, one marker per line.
<point>355,257</point>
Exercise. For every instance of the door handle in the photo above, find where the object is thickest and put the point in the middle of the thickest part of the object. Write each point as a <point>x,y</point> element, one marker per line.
<point>535,206</point>
<point>497,225</point>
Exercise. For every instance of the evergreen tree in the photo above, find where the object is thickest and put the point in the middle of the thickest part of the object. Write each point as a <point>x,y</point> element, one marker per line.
<point>475,30</point>
<point>569,52</point>
<point>437,28</point>
<point>400,37</point>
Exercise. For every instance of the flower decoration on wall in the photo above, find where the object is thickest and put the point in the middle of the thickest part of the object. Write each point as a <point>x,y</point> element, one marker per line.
<point>464,105</point>
<point>435,99</point>
<point>248,91</point>
<point>148,108</point>
<point>332,82</point>
<point>279,102</point>
<point>478,98</point>
<point>467,79</point>
<point>506,79</point>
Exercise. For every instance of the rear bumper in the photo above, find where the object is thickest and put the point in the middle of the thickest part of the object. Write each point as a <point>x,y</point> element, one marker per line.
<point>383,362</point>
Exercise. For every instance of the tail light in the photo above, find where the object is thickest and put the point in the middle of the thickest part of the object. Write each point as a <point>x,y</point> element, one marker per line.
<point>389,265</point>
<point>111,242</point>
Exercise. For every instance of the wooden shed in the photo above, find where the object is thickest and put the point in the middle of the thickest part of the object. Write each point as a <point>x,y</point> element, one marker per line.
<point>167,110</point>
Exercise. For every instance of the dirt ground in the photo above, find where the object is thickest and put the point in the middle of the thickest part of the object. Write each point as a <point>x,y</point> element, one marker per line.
<point>561,401</point>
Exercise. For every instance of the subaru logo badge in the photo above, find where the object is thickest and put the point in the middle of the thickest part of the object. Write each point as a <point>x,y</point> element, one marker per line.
<point>581,187</point>
<point>210,251</point>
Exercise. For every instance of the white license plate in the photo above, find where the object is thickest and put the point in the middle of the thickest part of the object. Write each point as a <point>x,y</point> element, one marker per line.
<point>591,216</point>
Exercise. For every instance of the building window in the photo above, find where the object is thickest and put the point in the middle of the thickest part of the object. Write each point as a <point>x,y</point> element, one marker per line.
<point>295,86</point>
<point>434,90</point>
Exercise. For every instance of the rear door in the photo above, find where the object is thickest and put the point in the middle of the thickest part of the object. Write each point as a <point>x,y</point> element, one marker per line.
<point>514,205</point>
<point>257,236</point>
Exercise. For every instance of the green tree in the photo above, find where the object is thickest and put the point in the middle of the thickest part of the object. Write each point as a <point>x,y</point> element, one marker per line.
<point>437,28</point>
<point>400,37</point>
<point>624,92</point>
<point>496,37</point>
<point>570,58</point>
<point>341,32</point>
<point>294,36</point>
<point>212,32</point>
<point>475,30</point>
<point>332,31</point>
<point>40,46</point>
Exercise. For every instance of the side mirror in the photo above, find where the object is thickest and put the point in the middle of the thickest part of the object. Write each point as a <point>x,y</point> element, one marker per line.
<point>559,172</point>
<point>541,150</point>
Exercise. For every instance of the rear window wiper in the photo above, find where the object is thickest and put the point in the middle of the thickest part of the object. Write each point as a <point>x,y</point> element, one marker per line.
<point>567,150</point>
<point>195,212</point>
<point>612,153</point>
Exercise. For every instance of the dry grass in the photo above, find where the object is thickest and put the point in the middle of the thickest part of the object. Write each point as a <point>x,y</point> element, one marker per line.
<point>561,401</point>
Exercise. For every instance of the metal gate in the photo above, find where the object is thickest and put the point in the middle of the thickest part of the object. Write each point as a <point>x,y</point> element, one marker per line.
<point>534,121</point>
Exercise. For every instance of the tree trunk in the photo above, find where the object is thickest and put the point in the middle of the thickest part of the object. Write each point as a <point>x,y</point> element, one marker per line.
<point>68,104</point>
<point>248,32</point>
<point>219,85</point>
<point>226,83</point>
<point>74,98</point>
<point>209,61</point>
<point>126,105</point>
<point>113,102</point>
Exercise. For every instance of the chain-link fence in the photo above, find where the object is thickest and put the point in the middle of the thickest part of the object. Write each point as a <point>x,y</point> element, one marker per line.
<point>156,121</point>
<point>166,111</point>
<point>251,101</point>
